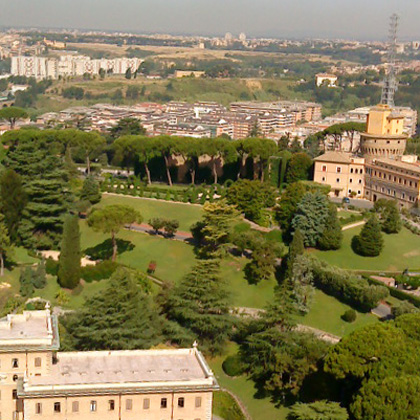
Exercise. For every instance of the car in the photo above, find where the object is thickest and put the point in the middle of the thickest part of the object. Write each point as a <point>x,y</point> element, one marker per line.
<point>346,200</point>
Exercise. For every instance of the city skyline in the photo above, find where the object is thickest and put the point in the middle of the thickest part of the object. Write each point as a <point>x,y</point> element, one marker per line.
<point>267,18</point>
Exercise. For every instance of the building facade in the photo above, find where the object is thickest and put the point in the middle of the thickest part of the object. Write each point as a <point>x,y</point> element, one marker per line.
<point>381,169</point>
<point>39,383</point>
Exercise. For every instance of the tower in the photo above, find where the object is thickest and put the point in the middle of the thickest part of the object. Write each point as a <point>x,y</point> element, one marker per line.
<point>390,84</point>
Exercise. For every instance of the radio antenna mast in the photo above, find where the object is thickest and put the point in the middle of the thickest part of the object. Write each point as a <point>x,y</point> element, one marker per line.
<point>390,84</point>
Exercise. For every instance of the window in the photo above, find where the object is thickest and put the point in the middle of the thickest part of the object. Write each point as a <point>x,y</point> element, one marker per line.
<point>181,402</point>
<point>323,178</point>
<point>360,181</point>
<point>15,363</point>
<point>351,170</point>
<point>38,408</point>
<point>197,402</point>
<point>15,378</point>
<point>361,171</point>
<point>57,407</point>
<point>129,404</point>
<point>356,171</point>
<point>111,405</point>
<point>359,192</point>
<point>146,403</point>
<point>14,394</point>
<point>163,403</point>
<point>75,406</point>
<point>338,169</point>
<point>324,168</point>
<point>93,406</point>
<point>37,362</point>
<point>350,180</point>
<point>338,180</point>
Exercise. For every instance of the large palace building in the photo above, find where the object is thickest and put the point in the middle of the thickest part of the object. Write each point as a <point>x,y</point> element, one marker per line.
<point>39,383</point>
<point>379,169</point>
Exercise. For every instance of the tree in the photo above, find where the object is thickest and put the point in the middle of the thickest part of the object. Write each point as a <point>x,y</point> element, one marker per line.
<point>171,226</point>
<point>102,73</point>
<point>277,357</point>
<point>389,215</point>
<point>215,229</point>
<point>263,260</point>
<point>5,244</point>
<point>12,114</point>
<point>26,284</point>
<point>39,278</point>
<point>110,219</point>
<point>311,217</point>
<point>200,303</point>
<point>190,149</point>
<point>46,185</point>
<point>121,316</point>
<point>393,398</point>
<point>369,243</point>
<point>251,197</point>
<point>91,145</point>
<point>127,127</point>
<point>70,254</point>
<point>299,167</point>
<point>128,74</point>
<point>156,223</point>
<point>332,234</point>
<point>288,204</point>
<point>166,147</point>
<point>296,248</point>
<point>260,150</point>
<point>146,152</point>
<point>219,150</point>
<point>90,191</point>
<point>13,200</point>
<point>318,410</point>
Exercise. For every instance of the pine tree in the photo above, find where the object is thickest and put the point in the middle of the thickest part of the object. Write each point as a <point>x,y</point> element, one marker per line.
<point>200,303</point>
<point>26,284</point>
<point>90,191</point>
<point>69,265</point>
<point>332,235</point>
<point>369,242</point>
<point>120,317</point>
<point>391,222</point>
<point>12,200</point>
<point>45,183</point>
<point>5,244</point>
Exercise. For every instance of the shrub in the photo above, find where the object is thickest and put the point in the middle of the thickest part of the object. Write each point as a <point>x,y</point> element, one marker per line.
<point>349,316</point>
<point>369,243</point>
<point>100,271</point>
<point>51,267</point>
<point>233,366</point>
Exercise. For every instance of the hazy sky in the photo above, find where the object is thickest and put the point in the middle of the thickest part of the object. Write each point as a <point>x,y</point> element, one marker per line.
<point>358,19</point>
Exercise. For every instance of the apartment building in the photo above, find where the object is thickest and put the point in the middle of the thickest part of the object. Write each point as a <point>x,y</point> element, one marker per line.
<point>69,65</point>
<point>39,383</point>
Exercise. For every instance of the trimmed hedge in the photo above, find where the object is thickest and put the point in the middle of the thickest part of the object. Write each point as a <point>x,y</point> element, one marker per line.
<point>100,271</point>
<point>354,291</point>
<point>233,366</point>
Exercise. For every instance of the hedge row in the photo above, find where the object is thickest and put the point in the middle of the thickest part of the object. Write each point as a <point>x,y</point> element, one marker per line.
<point>353,291</point>
<point>397,293</point>
<point>412,228</point>
<point>100,271</point>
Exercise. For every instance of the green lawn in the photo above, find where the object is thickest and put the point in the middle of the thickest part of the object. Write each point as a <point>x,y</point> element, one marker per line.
<point>259,408</point>
<point>186,214</point>
<point>401,251</point>
<point>325,314</point>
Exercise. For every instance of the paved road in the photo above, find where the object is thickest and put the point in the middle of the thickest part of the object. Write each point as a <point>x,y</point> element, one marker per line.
<point>356,202</point>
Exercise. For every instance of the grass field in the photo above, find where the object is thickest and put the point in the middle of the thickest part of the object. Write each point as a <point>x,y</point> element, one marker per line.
<point>400,251</point>
<point>259,408</point>
<point>186,214</point>
<point>325,314</point>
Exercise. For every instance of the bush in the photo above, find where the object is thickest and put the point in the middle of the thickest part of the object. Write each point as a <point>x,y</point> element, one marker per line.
<point>100,271</point>
<point>51,267</point>
<point>233,366</point>
<point>349,316</point>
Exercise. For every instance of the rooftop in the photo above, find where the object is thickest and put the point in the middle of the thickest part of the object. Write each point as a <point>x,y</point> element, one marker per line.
<point>415,167</point>
<point>32,329</point>
<point>334,157</point>
<point>134,369</point>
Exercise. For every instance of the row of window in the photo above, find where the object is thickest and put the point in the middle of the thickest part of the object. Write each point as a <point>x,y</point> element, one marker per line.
<point>397,169</point>
<point>393,193</point>
<point>393,178</point>
<point>383,152</point>
<point>93,406</point>
<point>338,180</point>
<point>338,170</point>
<point>15,362</point>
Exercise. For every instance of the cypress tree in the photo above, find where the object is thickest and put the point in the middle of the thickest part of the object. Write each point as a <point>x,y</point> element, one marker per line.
<point>332,235</point>
<point>391,219</point>
<point>200,303</point>
<point>369,242</point>
<point>69,265</point>
<point>296,248</point>
<point>90,191</point>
